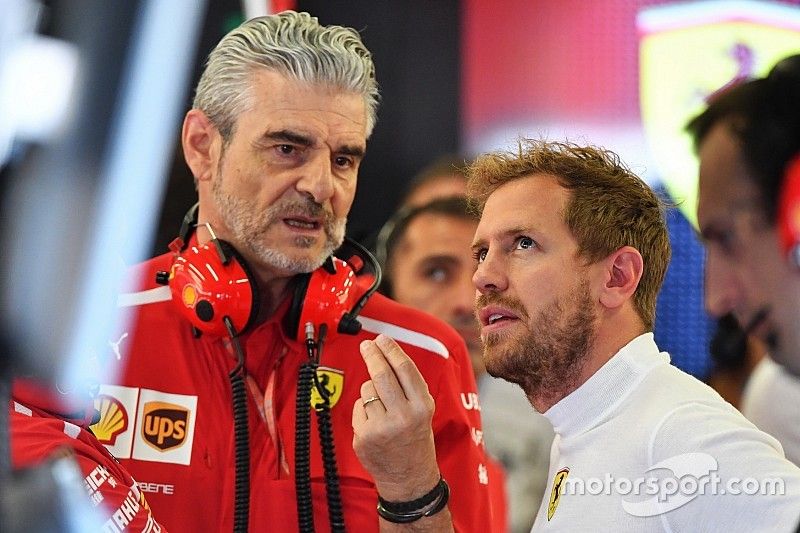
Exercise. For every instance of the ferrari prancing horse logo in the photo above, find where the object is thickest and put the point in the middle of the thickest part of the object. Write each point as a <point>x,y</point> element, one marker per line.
<point>555,493</point>
<point>332,380</point>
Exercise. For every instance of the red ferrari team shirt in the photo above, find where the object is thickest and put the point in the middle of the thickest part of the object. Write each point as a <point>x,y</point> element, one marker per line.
<point>169,418</point>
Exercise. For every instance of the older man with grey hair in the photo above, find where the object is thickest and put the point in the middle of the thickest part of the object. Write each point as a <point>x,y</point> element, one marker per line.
<point>274,140</point>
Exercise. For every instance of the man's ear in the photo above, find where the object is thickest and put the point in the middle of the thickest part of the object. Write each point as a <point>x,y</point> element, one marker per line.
<point>199,149</point>
<point>622,272</point>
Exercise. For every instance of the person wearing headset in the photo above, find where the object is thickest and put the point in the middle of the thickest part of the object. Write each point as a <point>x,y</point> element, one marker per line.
<point>571,250</point>
<point>275,137</point>
<point>748,141</point>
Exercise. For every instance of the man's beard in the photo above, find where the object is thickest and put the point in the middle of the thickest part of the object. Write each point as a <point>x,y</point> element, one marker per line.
<point>548,358</point>
<point>249,225</point>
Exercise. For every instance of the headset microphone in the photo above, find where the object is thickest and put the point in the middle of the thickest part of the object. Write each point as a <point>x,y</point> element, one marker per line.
<point>728,345</point>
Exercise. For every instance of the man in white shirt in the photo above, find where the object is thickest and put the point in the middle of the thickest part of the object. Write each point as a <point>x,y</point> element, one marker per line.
<point>572,249</point>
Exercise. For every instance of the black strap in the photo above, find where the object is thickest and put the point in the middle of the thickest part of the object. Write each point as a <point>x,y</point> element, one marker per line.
<point>426,505</point>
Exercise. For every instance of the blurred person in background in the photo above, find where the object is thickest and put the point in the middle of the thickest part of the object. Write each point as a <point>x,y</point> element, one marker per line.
<point>278,129</point>
<point>748,141</point>
<point>442,178</point>
<point>428,266</point>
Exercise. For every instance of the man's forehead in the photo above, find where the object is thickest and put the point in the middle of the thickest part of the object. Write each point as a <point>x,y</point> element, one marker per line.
<point>427,228</point>
<point>524,203</point>
<point>725,195</point>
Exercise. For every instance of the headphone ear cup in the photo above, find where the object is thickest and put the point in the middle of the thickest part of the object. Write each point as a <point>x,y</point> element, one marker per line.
<point>211,282</point>
<point>789,212</point>
<point>326,296</point>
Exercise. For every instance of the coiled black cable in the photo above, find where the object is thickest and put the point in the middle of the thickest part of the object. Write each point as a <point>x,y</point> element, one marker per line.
<point>302,449</point>
<point>307,379</point>
<point>241,432</point>
<point>333,491</point>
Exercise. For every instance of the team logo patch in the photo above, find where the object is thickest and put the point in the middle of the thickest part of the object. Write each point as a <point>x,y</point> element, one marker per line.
<point>689,51</point>
<point>164,425</point>
<point>113,419</point>
<point>116,404</point>
<point>189,296</point>
<point>330,379</point>
<point>556,491</point>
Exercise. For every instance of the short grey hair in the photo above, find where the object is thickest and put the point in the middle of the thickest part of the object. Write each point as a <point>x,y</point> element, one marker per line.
<point>294,45</point>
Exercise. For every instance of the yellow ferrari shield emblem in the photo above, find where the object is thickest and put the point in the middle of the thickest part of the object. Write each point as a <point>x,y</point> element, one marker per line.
<point>688,51</point>
<point>555,493</point>
<point>332,380</point>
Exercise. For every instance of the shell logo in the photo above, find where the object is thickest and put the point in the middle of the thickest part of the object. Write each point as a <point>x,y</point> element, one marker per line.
<point>189,296</point>
<point>113,419</point>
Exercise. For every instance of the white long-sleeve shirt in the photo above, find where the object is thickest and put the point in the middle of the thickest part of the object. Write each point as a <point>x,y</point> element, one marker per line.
<point>643,446</point>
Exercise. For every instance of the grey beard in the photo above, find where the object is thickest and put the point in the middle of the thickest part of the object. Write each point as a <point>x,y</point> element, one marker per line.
<point>248,225</point>
<point>280,260</point>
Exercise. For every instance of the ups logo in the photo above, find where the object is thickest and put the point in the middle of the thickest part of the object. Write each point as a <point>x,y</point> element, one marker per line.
<point>164,425</point>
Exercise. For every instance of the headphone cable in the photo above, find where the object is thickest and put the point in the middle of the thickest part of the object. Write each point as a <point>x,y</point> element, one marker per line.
<point>376,282</point>
<point>307,379</point>
<point>241,434</point>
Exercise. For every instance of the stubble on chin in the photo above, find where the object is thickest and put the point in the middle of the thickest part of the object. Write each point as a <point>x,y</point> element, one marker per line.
<point>548,357</point>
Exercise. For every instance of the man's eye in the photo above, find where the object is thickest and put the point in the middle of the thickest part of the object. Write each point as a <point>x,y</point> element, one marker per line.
<point>724,238</point>
<point>525,242</point>
<point>479,255</point>
<point>343,162</point>
<point>436,274</point>
<point>286,149</point>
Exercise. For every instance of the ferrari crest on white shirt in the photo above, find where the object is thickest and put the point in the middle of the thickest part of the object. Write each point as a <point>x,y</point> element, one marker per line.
<point>556,491</point>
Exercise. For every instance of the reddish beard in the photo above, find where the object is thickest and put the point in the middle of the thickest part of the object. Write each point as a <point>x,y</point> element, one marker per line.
<point>547,358</point>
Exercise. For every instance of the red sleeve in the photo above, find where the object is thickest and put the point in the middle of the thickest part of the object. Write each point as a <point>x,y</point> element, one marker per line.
<point>122,502</point>
<point>35,437</point>
<point>459,444</point>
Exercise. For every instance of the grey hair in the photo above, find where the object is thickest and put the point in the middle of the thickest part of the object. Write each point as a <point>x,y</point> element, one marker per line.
<point>294,45</point>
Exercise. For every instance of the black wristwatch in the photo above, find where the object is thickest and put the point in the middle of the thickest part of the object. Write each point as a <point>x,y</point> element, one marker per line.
<point>427,505</point>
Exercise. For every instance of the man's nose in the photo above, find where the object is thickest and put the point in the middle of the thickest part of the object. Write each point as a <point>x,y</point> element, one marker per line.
<point>722,286</point>
<point>490,276</point>
<point>317,178</point>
